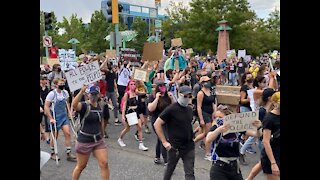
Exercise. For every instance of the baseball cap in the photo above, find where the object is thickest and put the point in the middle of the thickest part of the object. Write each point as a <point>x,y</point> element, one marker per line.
<point>94,89</point>
<point>158,82</point>
<point>204,78</point>
<point>185,90</point>
<point>267,93</point>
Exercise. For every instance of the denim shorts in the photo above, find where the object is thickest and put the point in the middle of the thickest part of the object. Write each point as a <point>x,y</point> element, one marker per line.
<point>87,148</point>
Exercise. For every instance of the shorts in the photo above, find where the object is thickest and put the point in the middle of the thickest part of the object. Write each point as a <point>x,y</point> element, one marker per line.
<point>265,162</point>
<point>87,148</point>
<point>61,123</point>
<point>142,109</point>
<point>207,117</point>
<point>161,71</point>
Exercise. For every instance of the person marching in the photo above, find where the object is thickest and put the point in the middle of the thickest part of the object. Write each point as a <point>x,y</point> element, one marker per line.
<point>206,105</point>
<point>156,105</point>
<point>178,118</point>
<point>226,147</point>
<point>57,99</point>
<point>130,105</point>
<point>91,132</point>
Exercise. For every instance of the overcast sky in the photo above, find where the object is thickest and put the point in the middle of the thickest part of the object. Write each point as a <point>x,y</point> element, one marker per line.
<point>85,8</point>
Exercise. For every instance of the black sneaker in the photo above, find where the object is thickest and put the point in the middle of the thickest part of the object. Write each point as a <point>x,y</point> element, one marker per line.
<point>117,123</point>
<point>105,135</point>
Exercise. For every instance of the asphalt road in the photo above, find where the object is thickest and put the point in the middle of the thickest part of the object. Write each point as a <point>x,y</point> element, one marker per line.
<point>129,163</point>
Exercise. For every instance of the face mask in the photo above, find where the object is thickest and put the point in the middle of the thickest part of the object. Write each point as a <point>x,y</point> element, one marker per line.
<point>219,121</point>
<point>94,97</point>
<point>59,69</point>
<point>110,68</point>
<point>250,80</point>
<point>61,87</point>
<point>183,101</point>
<point>207,85</point>
<point>162,89</point>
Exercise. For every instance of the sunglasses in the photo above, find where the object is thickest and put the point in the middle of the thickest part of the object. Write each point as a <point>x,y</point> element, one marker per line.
<point>187,96</point>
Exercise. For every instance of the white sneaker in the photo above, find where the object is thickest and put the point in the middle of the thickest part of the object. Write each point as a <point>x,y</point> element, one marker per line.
<point>142,147</point>
<point>121,143</point>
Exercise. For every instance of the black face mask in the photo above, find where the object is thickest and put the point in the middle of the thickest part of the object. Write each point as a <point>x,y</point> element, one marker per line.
<point>59,69</point>
<point>110,68</point>
<point>61,87</point>
<point>250,80</point>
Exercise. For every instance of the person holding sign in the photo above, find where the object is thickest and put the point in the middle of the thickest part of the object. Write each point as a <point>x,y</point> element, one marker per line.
<point>130,105</point>
<point>91,131</point>
<point>206,105</point>
<point>226,147</point>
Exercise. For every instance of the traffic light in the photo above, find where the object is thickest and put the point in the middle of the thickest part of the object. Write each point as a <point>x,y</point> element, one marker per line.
<point>113,11</point>
<point>47,21</point>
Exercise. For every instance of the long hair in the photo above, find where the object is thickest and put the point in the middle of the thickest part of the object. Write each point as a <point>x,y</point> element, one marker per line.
<point>243,78</point>
<point>164,101</point>
<point>258,80</point>
<point>128,86</point>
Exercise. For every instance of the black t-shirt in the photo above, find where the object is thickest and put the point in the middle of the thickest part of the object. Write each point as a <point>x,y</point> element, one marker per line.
<point>272,122</point>
<point>241,67</point>
<point>43,94</point>
<point>110,77</point>
<point>179,124</point>
<point>91,124</point>
<point>233,68</point>
<point>244,88</point>
<point>229,147</point>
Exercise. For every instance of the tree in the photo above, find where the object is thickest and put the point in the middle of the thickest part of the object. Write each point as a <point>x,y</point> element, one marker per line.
<point>97,31</point>
<point>141,27</point>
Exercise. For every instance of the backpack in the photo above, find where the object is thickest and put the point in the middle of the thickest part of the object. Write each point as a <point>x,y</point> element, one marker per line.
<point>216,142</point>
<point>80,122</point>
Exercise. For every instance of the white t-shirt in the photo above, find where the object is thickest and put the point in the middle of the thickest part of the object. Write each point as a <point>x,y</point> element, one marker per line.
<point>60,96</point>
<point>123,78</point>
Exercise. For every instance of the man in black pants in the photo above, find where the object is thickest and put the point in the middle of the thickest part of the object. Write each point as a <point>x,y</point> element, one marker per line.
<point>178,117</point>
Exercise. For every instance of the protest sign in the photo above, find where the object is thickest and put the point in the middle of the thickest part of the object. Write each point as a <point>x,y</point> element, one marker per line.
<point>176,42</point>
<point>152,51</point>
<point>241,53</point>
<point>52,61</point>
<point>111,53</point>
<point>83,75</point>
<point>231,53</point>
<point>247,58</point>
<point>141,74</point>
<point>250,95</point>
<point>67,59</point>
<point>189,51</point>
<point>240,122</point>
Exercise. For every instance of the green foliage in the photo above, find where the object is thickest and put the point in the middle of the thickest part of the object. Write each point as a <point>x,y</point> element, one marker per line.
<point>141,27</point>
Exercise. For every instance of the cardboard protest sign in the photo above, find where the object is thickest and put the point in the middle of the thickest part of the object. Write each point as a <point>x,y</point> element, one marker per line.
<point>152,51</point>
<point>241,53</point>
<point>52,61</point>
<point>111,53</point>
<point>189,51</point>
<point>240,122</point>
<point>231,53</point>
<point>247,58</point>
<point>83,75</point>
<point>176,42</point>
<point>141,74</point>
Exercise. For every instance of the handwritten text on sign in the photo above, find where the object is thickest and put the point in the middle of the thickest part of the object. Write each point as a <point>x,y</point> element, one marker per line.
<point>83,75</point>
<point>240,122</point>
<point>140,74</point>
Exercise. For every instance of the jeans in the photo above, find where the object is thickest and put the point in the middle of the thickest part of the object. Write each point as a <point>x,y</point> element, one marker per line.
<point>232,78</point>
<point>260,145</point>
<point>251,140</point>
<point>244,109</point>
<point>223,171</point>
<point>112,96</point>
<point>159,147</point>
<point>188,163</point>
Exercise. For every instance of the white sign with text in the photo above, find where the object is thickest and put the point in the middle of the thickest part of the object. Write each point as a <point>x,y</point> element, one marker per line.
<point>83,75</point>
<point>240,122</point>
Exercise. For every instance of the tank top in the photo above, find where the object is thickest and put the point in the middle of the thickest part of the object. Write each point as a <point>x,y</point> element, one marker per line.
<point>207,103</point>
